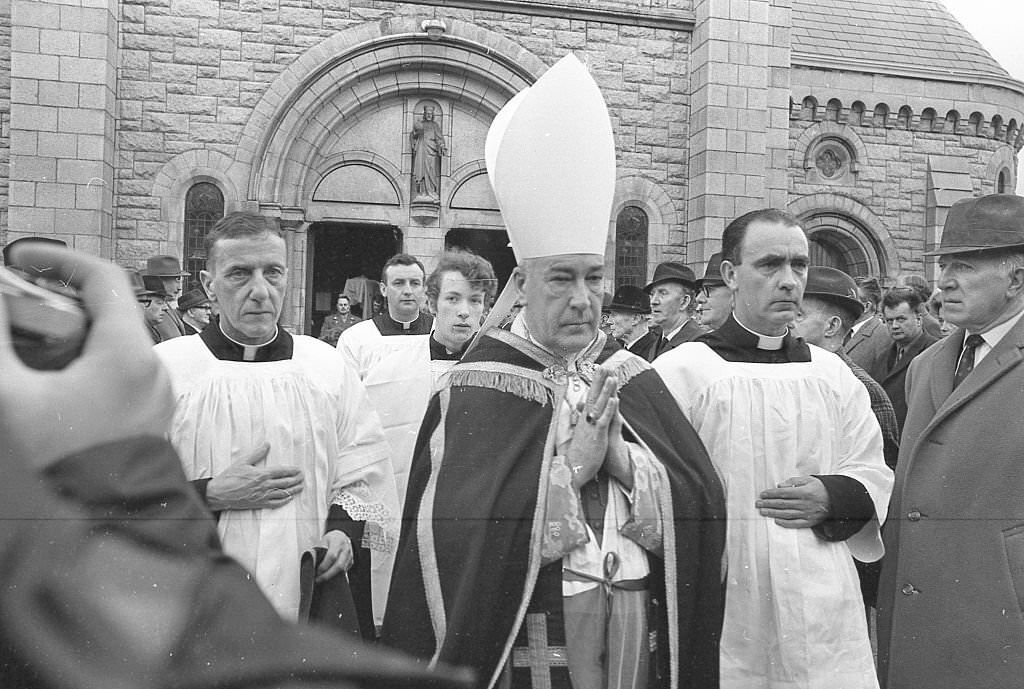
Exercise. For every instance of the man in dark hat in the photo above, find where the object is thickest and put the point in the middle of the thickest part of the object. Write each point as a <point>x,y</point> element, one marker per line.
<point>830,307</point>
<point>952,587</point>
<point>628,309</point>
<point>152,301</point>
<point>714,299</point>
<point>168,270</point>
<point>671,292</point>
<point>194,308</point>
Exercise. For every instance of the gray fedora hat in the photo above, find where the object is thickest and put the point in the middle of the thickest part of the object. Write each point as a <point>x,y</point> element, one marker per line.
<point>672,272</point>
<point>835,286</point>
<point>165,267</point>
<point>983,223</point>
<point>630,298</point>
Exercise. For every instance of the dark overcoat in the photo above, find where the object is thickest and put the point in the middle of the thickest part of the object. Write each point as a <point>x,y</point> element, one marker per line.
<point>951,600</point>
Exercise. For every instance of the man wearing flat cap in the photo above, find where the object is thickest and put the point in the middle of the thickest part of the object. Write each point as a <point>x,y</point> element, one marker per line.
<point>714,298</point>
<point>951,601</point>
<point>628,309</point>
<point>672,291</point>
<point>167,269</point>
<point>562,524</point>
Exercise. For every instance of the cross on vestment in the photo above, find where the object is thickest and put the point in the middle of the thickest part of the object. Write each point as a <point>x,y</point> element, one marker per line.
<point>538,656</point>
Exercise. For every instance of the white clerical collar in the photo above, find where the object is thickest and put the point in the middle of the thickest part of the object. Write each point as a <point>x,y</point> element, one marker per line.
<point>249,351</point>
<point>771,343</point>
<point>405,324</point>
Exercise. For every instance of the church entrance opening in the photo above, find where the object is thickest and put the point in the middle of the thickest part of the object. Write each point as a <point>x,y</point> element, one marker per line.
<point>490,244</point>
<point>342,252</point>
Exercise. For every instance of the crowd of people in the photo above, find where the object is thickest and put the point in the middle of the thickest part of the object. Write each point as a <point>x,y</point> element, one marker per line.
<point>718,485</point>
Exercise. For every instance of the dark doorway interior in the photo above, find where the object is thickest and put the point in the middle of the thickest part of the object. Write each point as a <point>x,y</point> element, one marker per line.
<point>491,244</point>
<point>341,251</point>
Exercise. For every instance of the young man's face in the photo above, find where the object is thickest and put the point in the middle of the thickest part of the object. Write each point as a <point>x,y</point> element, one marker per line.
<point>403,289</point>
<point>769,281</point>
<point>562,299</point>
<point>458,311</point>
<point>248,278</point>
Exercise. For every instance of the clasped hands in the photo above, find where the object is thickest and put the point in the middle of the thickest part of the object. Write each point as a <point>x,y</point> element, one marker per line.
<point>597,437</point>
<point>797,503</point>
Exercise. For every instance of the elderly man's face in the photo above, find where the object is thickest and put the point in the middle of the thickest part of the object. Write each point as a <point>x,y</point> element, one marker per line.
<point>154,308</point>
<point>977,290</point>
<point>811,321</point>
<point>669,301</point>
<point>200,314</point>
<point>459,310</point>
<point>714,304</point>
<point>624,323</point>
<point>172,285</point>
<point>768,283</point>
<point>247,279</point>
<point>562,299</point>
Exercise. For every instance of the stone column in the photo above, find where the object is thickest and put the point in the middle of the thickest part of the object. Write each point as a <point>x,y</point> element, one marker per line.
<point>63,86</point>
<point>739,127</point>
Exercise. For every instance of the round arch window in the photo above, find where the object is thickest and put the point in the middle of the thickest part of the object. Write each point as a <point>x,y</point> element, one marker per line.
<point>838,241</point>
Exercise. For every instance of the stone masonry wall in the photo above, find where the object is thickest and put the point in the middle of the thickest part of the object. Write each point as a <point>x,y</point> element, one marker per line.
<point>892,179</point>
<point>192,70</point>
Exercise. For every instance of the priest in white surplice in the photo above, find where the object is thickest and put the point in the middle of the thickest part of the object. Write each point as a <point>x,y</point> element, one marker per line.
<point>275,429</point>
<point>791,431</point>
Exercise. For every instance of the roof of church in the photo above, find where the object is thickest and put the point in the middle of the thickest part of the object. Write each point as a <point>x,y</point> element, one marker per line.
<point>918,34</point>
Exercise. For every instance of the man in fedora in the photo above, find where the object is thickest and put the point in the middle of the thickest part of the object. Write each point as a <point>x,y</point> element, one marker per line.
<point>149,293</point>
<point>714,298</point>
<point>195,309</point>
<point>952,590</point>
<point>671,292</point>
<point>628,310</point>
<point>168,270</point>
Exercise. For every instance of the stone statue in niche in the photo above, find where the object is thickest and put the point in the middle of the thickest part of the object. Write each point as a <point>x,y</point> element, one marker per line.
<point>428,146</point>
<point>829,163</point>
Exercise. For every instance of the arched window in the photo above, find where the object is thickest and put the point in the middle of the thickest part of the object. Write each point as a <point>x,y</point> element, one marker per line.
<point>631,247</point>
<point>881,118</point>
<point>832,110</point>
<point>952,122</point>
<point>904,117</point>
<point>927,120</point>
<point>204,206</point>
<point>1002,182</point>
<point>974,124</point>
<point>997,127</point>
<point>856,116</point>
<point>809,111</point>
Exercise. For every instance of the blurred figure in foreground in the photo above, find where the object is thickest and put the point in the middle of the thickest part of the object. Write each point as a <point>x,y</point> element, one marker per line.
<point>113,577</point>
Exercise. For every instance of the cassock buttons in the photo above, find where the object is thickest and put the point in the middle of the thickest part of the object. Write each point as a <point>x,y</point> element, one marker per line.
<point>914,516</point>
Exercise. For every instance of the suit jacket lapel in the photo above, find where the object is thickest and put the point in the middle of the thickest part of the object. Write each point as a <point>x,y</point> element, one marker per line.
<point>862,334</point>
<point>919,344</point>
<point>1002,358</point>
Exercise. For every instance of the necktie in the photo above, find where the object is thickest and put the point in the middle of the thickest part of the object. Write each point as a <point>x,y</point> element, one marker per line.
<point>966,363</point>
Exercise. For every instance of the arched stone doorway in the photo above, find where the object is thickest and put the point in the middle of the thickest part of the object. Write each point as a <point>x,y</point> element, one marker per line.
<point>332,144</point>
<point>836,241</point>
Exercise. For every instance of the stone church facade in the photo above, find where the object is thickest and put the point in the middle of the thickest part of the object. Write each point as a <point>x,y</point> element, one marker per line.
<point>128,126</point>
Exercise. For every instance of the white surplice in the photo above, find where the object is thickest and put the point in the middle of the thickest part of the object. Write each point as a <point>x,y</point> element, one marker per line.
<point>313,411</point>
<point>794,615</point>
